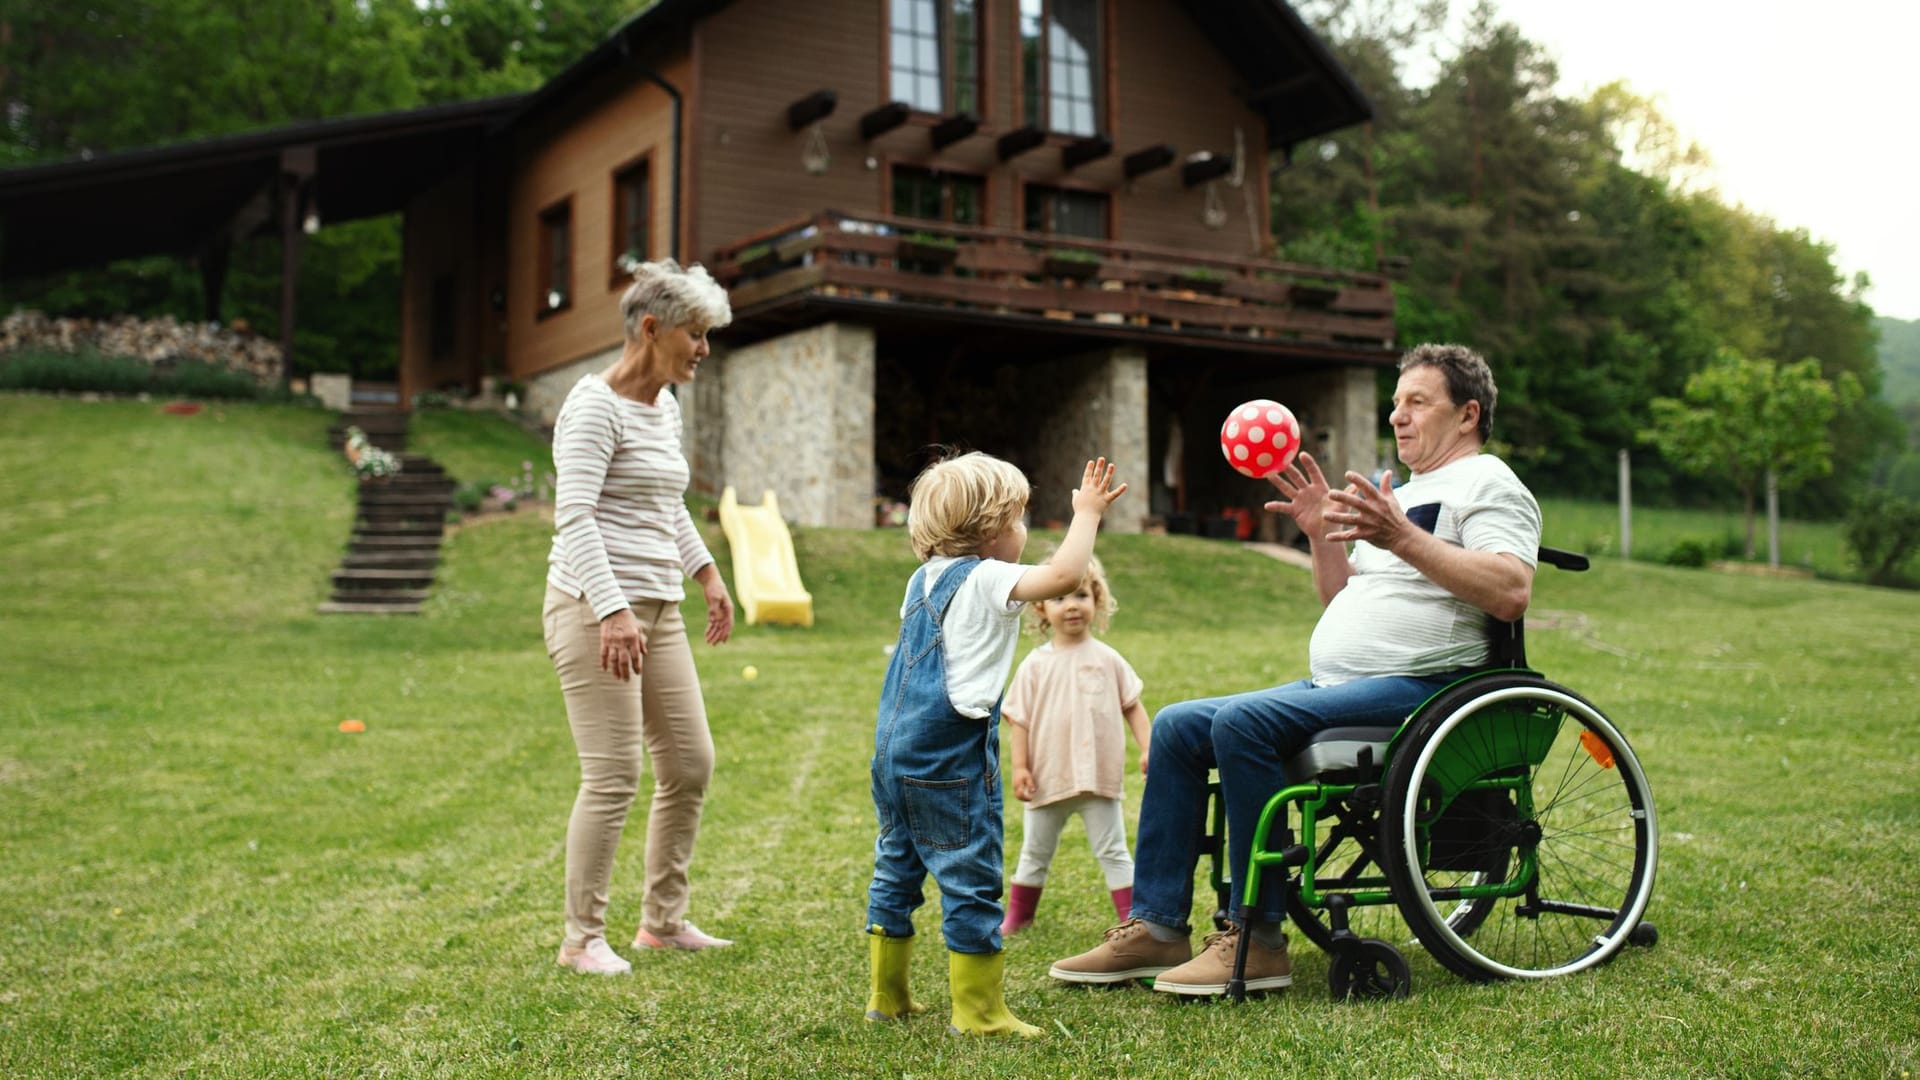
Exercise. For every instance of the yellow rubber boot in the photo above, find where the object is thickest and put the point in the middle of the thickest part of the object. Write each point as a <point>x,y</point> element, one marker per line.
<point>979,1002</point>
<point>890,999</point>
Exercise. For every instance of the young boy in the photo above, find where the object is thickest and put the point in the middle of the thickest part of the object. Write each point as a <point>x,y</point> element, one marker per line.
<point>936,782</point>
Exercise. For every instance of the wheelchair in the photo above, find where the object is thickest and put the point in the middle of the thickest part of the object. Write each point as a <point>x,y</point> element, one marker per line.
<point>1506,822</point>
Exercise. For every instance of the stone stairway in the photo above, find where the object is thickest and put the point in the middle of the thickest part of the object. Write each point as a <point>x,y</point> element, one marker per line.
<point>395,548</point>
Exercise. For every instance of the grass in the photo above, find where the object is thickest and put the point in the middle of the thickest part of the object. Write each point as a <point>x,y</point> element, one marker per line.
<point>1594,527</point>
<point>205,877</point>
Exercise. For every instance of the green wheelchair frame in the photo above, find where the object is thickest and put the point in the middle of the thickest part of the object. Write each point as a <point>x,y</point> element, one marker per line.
<point>1506,819</point>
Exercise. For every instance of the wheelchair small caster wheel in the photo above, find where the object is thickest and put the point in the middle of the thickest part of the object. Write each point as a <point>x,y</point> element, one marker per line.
<point>1368,970</point>
<point>1643,935</point>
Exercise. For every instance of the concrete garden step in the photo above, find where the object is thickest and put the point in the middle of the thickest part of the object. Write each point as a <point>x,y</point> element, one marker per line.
<point>371,542</point>
<point>402,515</point>
<point>392,527</point>
<point>344,607</point>
<point>379,596</point>
<point>425,559</point>
<point>383,495</point>
<point>357,580</point>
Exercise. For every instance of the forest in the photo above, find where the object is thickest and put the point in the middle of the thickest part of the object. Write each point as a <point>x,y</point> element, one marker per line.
<point>1574,240</point>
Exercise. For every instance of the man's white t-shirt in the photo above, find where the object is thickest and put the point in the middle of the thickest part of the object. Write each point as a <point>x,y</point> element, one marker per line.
<point>981,632</point>
<point>1390,619</point>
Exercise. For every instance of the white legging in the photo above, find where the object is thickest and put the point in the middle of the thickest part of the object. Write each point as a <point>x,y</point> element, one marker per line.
<point>1106,835</point>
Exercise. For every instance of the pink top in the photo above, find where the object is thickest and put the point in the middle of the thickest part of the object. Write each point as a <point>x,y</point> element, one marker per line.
<point>1071,702</point>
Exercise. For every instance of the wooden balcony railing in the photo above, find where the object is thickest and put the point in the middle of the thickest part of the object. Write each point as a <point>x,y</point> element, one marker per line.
<point>1000,272</point>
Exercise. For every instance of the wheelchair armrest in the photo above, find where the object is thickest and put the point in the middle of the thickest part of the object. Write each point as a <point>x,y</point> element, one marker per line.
<point>1565,560</point>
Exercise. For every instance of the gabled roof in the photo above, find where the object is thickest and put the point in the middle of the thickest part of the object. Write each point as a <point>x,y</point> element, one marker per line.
<point>1288,74</point>
<point>171,199</point>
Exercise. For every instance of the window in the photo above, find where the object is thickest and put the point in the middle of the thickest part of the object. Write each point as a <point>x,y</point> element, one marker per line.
<point>935,54</point>
<point>556,257</point>
<point>1061,71</point>
<point>938,196</point>
<point>632,219</point>
<point>1063,212</point>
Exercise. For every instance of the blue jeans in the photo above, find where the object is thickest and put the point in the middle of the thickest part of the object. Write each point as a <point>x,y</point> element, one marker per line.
<point>1246,736</point>
<point>936,788</point>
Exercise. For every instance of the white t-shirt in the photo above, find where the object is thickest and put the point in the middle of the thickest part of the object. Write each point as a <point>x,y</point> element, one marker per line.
<point>981,632</point>
<point>1390,619</point>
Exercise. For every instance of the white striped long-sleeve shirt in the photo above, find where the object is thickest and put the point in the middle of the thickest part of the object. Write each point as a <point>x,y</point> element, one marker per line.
<point>621,528</point>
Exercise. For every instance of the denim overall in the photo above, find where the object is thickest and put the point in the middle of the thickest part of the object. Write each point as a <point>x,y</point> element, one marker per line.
<point>936,787</point>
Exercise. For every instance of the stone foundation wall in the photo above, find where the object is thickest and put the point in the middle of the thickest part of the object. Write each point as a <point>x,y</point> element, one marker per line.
<point>794,415</point>
<point>1089,406</point>
<point>547,391</point>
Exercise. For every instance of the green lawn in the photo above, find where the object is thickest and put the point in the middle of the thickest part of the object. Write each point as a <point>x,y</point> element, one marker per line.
<point>204,877</point>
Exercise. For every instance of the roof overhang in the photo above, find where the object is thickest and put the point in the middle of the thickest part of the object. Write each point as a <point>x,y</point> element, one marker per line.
<point>1290,76</point>
<point>175,200</point>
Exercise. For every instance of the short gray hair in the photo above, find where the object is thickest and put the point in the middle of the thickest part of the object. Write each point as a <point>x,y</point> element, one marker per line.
<point>1467,374</point>
<point>675,295</point>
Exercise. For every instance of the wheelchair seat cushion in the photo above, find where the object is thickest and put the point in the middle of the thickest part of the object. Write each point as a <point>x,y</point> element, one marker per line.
<point>1336,749</point>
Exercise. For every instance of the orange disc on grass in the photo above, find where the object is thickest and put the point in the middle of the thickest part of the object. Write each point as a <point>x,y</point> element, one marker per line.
<point>351,726</point>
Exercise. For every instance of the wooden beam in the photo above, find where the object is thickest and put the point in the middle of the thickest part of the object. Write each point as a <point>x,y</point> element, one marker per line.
<point>1204,166</point>
<point>1019,141</point>
<point>815,106</point>
<point>1142,162</point>
<point>1280,89</point>
<point>1082,150</point>
<point>878,121</point>
<point>954,128</point>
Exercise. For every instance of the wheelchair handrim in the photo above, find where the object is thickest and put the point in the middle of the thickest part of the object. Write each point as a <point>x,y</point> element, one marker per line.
<point>1604,944</point>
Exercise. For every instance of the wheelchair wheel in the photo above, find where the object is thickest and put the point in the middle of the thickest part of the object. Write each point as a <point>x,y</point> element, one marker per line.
<point>1369,971</point>
<point>1518,773</point>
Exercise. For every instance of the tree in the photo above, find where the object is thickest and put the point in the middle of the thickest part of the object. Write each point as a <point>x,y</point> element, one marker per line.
<point>1884,531</point>
<point>1745,420</point>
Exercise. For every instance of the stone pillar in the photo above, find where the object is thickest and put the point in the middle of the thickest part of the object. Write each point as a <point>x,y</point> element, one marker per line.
<point>797,412</point>
<point>547,391</point>
<point>1096,405</point>
<point>1339,413</point>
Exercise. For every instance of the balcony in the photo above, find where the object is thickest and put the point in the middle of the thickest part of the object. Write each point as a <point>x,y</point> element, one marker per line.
<point>884,267</point>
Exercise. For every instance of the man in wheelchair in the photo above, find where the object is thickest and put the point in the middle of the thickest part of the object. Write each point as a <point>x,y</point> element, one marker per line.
<point>1405,614</point>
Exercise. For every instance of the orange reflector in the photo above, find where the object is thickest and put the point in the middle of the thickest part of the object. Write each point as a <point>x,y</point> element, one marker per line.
<point>1597,749</point>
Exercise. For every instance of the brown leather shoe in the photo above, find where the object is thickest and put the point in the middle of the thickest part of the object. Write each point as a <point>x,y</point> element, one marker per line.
<point>1206,975</point>
<point>1130,951</point>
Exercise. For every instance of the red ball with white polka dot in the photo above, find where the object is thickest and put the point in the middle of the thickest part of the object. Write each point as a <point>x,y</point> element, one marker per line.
<point>1260,438</point>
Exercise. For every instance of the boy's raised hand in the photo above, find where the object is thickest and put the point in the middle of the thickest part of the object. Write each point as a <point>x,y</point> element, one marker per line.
<point>1096,492</point>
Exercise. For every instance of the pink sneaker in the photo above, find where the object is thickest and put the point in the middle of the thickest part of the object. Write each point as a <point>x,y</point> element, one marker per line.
<point>690,937</point>
<point>596,957</point>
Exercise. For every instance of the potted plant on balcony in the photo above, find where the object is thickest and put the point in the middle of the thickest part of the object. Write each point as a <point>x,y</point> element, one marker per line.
<point>1071,263</point>
<point>754,258</point>
<point>1200,279</point>
<point>926,247</point>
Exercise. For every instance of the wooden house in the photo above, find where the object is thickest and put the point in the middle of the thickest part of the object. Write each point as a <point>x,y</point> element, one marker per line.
<point>1034,227</point>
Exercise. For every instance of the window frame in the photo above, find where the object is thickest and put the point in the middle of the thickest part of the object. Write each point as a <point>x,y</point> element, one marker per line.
<point>945,177</point>
<point>1048,191</point>
<point>619,277</point>
<point>560,213</point>
<point>1039,83</point>
<point>948,44</point>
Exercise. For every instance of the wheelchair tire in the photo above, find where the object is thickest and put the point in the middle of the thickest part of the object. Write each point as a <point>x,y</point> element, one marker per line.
<point>1576,798</point>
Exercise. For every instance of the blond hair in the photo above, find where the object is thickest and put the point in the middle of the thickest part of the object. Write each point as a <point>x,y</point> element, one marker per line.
<point>1095,582</point>
<point>958,504</point>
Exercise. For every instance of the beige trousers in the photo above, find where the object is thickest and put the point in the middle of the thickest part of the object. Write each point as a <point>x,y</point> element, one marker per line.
<point>612,720</point>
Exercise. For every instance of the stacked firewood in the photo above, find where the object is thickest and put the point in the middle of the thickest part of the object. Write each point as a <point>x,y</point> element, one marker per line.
<point>161,342</point>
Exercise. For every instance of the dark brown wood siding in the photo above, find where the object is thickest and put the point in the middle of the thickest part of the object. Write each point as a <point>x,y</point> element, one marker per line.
<point>1166,85</point>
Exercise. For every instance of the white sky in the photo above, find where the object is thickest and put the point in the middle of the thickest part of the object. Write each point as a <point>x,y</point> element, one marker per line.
<point>1809,112</point>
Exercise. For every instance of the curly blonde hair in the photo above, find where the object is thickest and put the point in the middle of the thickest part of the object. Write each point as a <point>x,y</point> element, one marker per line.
<point>959,503</point>
<point>1095,582</point>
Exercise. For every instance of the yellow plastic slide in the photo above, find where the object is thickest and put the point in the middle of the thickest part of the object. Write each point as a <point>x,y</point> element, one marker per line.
<point>766,580</point>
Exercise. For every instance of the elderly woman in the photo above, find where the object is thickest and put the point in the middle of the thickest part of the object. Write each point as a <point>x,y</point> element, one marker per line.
<point>623,539</point>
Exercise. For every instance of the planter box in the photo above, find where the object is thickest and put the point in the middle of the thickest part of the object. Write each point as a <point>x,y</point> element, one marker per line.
<point>1200,283</point>
<point>921,251</point>
<point>1081,269</point>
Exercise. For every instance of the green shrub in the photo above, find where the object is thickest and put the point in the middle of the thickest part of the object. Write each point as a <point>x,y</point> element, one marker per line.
<point>89,371</point>
<point>82,372</point>
<point>199,379</point>
<point>1883,530</point>
<point>1692,551</point>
